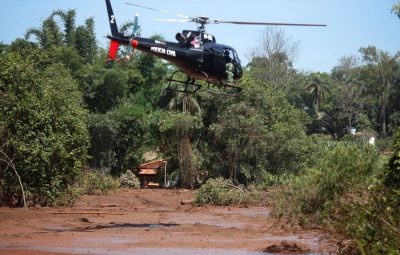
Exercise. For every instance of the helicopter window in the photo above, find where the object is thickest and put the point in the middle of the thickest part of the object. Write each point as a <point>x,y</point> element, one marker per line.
<point>235,55</point>
<point>229,55</point>
<point>195,42</point>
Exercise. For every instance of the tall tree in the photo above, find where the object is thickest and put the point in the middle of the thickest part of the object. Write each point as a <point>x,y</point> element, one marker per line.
<point>185,102</point>
<point>86,43</point>
<point>349,100</point>
<point>178,130</point>
<point>44,123</point>
<point>272,59</point>
<point>48,35</point>
<point>383,71</point>
<point>318,88</point>
<point>68,19</point>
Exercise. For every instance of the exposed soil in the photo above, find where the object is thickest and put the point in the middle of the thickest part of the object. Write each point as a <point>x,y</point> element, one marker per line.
<point>153,222</point>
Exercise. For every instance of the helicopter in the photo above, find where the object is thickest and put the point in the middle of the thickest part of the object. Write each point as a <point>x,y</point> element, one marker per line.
<point>196,53</point>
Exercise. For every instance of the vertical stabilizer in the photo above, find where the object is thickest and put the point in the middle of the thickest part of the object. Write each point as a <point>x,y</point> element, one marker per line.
<point>111,19</point>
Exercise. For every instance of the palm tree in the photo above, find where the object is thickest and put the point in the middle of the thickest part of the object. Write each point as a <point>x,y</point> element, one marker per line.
<point>68,18</point>
<point>318,88</point>
<point>48,35</point>
<point>186,102</point>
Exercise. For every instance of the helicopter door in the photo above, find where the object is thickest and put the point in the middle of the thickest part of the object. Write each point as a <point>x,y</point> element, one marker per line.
<point>218,61</point>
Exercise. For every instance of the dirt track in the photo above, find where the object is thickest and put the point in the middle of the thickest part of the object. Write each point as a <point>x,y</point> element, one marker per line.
<point>152,222</point>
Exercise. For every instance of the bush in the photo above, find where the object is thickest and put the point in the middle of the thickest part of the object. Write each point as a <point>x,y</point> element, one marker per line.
<point>221,191</point>
<point>267,179</point>
<point>91,182</point>
<point>43,128</point>
<point>342,169</point>
<point>129,180</point>
<point>375,225</point>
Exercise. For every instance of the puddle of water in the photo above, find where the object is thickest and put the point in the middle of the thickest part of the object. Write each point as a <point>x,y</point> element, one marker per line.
<point>113,226</point>
<point>144,251</point>
<point>105,240</point>
<point>249,212</point>
<point>129,225</point>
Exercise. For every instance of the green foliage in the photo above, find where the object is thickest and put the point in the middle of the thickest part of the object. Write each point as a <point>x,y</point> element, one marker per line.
<point>374,223</point>
<point>92,182</point>
<point>43,124</point>
<point>318,88</point>
<point>177,130</point>
<point>267,180</point>
<point>129,180</point>
<point>343,168</point>
<point>117,136</point>
<point>219,191</point>
<point>85,42</point>
<point>257,133</point>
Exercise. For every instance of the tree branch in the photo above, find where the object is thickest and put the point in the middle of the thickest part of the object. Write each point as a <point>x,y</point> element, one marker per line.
<point>9,162</point>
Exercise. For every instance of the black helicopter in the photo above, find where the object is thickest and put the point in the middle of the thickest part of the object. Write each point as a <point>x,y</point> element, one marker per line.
<point>196,53</point>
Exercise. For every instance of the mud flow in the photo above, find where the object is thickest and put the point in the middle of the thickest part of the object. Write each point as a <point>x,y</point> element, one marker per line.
<point>153,222</point>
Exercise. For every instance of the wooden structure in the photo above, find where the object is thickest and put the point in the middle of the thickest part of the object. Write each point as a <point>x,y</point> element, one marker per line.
<point>148,172</point>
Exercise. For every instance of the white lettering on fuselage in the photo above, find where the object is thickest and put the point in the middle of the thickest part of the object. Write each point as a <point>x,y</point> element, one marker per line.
<point>163,51</point>
<point>208,37</point>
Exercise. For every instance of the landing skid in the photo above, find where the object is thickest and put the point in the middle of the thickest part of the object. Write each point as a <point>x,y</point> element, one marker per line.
<point>190,86</point>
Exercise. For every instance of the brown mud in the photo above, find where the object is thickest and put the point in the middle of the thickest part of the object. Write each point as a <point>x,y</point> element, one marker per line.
<point>153,222</point>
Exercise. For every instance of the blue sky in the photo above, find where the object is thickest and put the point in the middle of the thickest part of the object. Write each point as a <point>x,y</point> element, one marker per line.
<point>351,23</point>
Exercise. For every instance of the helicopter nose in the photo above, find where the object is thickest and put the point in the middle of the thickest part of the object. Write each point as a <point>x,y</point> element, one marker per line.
<point>135,44</point>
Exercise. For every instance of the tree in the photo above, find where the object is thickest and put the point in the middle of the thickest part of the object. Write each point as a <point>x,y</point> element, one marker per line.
<point>349,100</point>
<point>256,134</point>
<point>86,43</point>
<point>178,130</point>
<point>44,124</point>
<point>272,60</point>
<point>68,19</point>
<point>317,88</point>
<point>117,138</point>
<point>382,71</point>
<point>48,35</point>
<point>81,38</point>
<point>184,102</point>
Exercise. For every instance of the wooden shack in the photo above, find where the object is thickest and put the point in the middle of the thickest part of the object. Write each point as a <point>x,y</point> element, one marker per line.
<point>148,173</point>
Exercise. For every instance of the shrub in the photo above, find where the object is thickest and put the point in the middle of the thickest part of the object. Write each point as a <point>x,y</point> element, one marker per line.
<point>90,182</point>
<point>343,169</point>
<point>375,225</point>
<point>129,180</point>
<point>43,127</point>
<point>221,191</point>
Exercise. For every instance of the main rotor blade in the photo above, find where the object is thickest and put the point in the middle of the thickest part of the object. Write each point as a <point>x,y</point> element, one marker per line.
<point>174,20</point>
<point>265,23</point>
<point>154,9</point>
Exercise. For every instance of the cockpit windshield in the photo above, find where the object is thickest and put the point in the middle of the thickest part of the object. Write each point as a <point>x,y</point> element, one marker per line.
<point>235,55</point>
<point>231,56</point>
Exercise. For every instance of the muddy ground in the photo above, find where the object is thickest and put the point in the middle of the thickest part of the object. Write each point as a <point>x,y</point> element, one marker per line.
<point>153,222</point>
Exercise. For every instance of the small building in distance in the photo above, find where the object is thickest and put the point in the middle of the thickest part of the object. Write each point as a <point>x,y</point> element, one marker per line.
<point>148,173</point>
